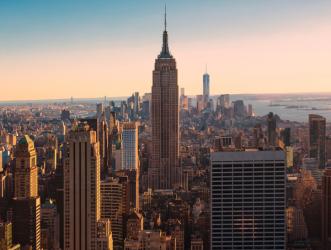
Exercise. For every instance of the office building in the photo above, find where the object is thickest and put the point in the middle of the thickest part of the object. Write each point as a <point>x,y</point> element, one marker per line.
<point>250,110</point>
<point>65,115</point>
<point>248,200</point>
<point>99,110</point>
<point>272,129</point>
<point>134,224</point>
<point>130,145</point>
<point>104,235</point>
<point>200,103</point>
<point>224,101</point>
<point>164,172</point>
<point>136,103</point>
<point>26,172</point>
<point>205,79</point>
<point>81,189</point>
<point>113,207</point>
<point>1,162</point>
<point>326,209</point>
<point>6,237</point>
<point>26,222</point>
<point>317,139</point>
<point>50,223</point>
<point>130,182</point>
<point>26,202</point>
<point>239,109</point>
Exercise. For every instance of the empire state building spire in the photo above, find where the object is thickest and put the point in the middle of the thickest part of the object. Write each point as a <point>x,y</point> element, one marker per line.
<point>165,53</point>
<point>165,170</point>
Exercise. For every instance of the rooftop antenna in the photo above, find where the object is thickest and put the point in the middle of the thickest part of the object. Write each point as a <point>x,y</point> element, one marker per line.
<point>165,17</point>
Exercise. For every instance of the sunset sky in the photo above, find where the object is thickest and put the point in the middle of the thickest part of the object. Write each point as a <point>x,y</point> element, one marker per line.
<point>57,49</point>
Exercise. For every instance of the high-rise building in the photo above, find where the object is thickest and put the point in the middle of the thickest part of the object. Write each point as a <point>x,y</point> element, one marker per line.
<point>6,237</point>
<point>248,200</point>
<point>272,129</point>
<point>239,108</point>
<point>250,110</point>
<point>286,136</point>
<point>130,182</point>
<point>317,139</point>
<point>130,145</point>
<point>1,162</point>
<point>99,110</point>
<point>26,202</point>
<point>81,189</point>
<point>65,115</point>
<point>164,172</point>
<point>103,144</point>
<point>134,224</point>
<point>205,79</point>
<point>104,233</point>
<point>26,172</point>
<point>113,206</point>
<point>200,103</point>
<point>136,103</point>
<point>326,209</point>
<point>51,224</point>
<point>224,101</point>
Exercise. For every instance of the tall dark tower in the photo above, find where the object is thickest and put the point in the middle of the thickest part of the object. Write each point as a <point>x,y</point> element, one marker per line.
<point>164,171</point>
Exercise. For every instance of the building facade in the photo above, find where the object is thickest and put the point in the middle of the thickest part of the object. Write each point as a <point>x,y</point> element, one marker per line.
<point>130,146</point>
<point>248,200</point>
<point>26,202</point>
<point>81,189</point>
<point>164,172</point>
<point>317,139</point>
<point>326,209</point>
<point>205,79</point>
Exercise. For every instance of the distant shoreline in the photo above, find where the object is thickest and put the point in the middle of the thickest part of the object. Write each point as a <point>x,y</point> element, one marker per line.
<point>101,99</point>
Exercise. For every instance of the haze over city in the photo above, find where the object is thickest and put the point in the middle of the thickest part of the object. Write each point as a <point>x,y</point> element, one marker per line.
<point>107,48</point>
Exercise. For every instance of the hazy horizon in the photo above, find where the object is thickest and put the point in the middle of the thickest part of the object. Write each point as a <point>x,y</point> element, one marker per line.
<point>117,98</point>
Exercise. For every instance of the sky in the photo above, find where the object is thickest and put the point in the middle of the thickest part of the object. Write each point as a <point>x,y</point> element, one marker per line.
<point>87,49</point>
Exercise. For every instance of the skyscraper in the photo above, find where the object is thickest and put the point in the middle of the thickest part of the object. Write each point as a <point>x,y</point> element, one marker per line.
<point>99,110</point>
<point>272,127</point>
<point>239,109</point>
<point>317,139</point>
<point>326,209</point>
<point>136,103</point>
<point>164,171</point>
<point>130,146</point>
<point>6,233</point>
<point>26,172</point>
<point>26,203</point>
<point>205,79</point>
<point>248,200</point>
<point>113,207</point>
<point>81,189</point>
<point>50,225</point>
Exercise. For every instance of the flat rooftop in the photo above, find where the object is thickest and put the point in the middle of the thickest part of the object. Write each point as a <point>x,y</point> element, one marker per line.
<point>249,155</point>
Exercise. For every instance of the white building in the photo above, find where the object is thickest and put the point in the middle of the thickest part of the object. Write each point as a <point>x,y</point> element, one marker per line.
<point>130,146</point>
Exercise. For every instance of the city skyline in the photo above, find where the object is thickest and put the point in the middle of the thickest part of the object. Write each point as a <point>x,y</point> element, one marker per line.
<point>181,163</point>
<point>255,47</point>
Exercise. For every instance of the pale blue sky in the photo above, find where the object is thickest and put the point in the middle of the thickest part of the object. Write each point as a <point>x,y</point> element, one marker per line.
<point>39,28</point>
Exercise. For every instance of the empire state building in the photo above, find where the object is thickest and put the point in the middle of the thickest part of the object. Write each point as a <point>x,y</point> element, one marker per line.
<point>164,171</point>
